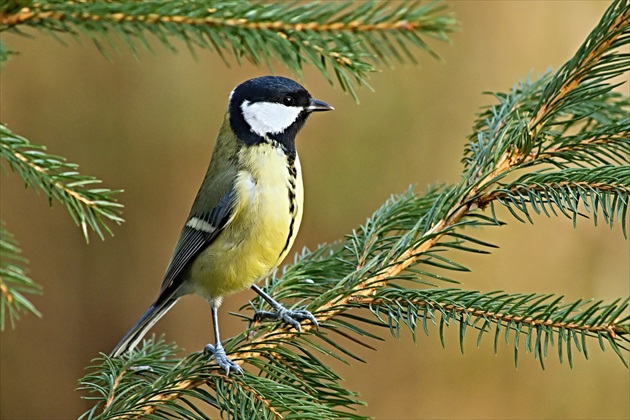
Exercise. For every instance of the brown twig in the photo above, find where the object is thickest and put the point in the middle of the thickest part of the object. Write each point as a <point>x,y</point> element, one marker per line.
<point>38,12</point>
<point>8,296</point>
<point>611,329</point>
<point>499,194</point>
<point>580,71</point>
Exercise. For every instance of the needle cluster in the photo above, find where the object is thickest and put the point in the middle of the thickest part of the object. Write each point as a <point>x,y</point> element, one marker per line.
<point>343,40</point>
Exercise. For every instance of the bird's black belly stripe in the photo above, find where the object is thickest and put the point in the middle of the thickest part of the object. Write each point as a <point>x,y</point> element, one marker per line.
<point>292,204</point>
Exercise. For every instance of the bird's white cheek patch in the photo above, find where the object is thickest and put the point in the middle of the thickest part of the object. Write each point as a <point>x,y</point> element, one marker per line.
<point>269,117</point>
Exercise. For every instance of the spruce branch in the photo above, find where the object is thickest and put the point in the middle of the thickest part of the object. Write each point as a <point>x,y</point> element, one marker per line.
<point>581,77</point>
<point>14,283</point>
<point>562,138</point>
<point>89,207</point>
<point>338,38</point>
<point>539,317</point>
<point>603,189</point>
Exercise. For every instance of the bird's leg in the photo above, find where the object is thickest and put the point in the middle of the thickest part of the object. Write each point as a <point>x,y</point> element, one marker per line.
<point>291,317</point>
<point>217,350</point>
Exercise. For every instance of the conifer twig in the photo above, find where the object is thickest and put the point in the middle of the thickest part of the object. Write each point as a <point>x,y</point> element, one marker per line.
<point>343,39</point>
<point>59,179</point>
<point>14,283</point>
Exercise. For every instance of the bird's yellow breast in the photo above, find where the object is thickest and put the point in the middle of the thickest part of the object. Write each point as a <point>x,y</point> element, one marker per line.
<point>265,221</point>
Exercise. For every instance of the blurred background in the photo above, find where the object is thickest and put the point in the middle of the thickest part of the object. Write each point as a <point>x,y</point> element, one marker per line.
<point>148,126</point>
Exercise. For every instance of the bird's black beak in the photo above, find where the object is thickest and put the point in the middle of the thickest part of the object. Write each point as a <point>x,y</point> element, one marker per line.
<point>317,105</point>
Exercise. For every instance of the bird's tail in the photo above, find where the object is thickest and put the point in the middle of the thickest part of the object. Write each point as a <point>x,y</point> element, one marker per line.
<point>150,317</point>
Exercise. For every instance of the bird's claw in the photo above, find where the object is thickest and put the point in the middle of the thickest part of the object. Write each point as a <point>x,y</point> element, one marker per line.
<point>291,317</point>
<point>223,361</point>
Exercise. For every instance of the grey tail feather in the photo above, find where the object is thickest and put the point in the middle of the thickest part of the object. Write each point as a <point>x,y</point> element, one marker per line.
<point>138,331</point>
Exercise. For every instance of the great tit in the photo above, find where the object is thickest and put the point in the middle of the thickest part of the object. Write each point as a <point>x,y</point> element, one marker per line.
<point>247,211</point>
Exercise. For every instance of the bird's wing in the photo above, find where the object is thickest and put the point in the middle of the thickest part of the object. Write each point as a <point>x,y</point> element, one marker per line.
<point>200,230</point>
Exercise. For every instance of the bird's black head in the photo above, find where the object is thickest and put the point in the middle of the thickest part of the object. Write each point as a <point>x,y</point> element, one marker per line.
<point>271,107</point>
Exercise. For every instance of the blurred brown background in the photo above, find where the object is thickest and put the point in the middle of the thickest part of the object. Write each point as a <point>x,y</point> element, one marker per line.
<point>148,126</point>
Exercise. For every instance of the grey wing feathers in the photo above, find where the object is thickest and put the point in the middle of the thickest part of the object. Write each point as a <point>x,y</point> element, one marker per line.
<point>200,230</point>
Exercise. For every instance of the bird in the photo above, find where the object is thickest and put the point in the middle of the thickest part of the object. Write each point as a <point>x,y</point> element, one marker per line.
<point>247,212</point>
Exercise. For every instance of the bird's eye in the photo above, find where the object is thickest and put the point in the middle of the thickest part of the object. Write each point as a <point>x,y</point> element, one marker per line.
<point>288,100</point>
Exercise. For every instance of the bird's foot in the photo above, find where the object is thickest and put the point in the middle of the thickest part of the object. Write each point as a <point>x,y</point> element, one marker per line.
<point>223,361</point>
<point>291,317</point>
